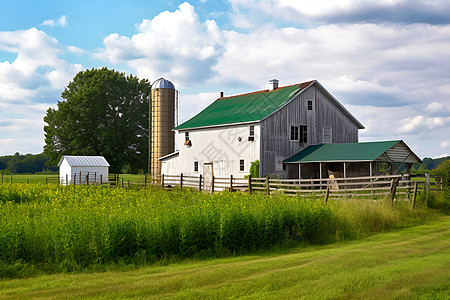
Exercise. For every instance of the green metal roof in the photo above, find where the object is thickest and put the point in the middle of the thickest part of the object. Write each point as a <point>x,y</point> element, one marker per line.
<point>368,151</point>
<point>243,108</point>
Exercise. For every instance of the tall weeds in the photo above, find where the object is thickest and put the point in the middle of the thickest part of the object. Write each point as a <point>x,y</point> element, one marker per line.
<point>75,227</point>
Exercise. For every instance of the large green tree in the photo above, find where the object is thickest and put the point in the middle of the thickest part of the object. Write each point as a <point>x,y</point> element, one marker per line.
<point>104,113</point>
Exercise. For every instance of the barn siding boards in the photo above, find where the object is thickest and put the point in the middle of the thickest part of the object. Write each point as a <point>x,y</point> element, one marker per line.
<point>275,129</point>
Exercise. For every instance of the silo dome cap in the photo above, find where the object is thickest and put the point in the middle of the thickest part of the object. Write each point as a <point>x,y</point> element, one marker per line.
<point>162,83</point>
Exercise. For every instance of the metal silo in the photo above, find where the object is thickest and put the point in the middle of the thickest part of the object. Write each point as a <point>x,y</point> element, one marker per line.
<point>163,110</point>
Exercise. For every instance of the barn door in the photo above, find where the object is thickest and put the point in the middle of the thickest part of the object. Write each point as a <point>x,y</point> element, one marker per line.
<point>208,173</point>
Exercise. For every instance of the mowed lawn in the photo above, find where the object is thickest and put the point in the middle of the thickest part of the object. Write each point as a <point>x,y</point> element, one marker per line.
<point>413,263</point>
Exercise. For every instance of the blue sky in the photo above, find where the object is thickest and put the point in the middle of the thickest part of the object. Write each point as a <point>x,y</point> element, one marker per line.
<point>387,61</point>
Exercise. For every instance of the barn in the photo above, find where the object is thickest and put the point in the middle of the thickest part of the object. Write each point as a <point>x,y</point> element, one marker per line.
<point>83,169</point>
<point>268,125</point>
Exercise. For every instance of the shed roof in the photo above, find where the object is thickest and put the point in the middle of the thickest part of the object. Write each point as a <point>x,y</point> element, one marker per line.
<point>84,161</point>
<point>394,151</point>
<point>251,107</point>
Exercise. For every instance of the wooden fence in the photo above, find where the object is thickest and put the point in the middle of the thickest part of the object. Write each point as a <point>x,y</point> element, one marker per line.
<point>376,186</point>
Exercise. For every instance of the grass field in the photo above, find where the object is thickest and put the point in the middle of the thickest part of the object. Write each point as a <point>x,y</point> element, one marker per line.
<point>53,178</point>
<point>412,263</point>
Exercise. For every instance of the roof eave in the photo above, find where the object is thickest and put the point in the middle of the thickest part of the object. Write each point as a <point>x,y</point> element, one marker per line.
<point>219,125</point>
<point>289,101</point>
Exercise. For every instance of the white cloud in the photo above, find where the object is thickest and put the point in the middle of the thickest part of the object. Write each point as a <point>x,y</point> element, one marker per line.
<point>422,123</point>
<point>445,144</point>
<point>173,44</point>
<point>52,23</point>
<point>258,12</point>
<point>38,67</point>
<point>28,84</point>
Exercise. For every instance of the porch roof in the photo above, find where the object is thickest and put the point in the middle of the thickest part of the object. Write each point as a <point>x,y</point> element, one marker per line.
<point>389,151</point>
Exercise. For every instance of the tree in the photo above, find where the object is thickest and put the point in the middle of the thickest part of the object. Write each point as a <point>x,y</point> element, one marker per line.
<point>105,113</point>
<point>443,170</point>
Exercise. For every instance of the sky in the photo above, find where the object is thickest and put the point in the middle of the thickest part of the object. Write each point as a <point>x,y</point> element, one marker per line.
<point>386,61</point>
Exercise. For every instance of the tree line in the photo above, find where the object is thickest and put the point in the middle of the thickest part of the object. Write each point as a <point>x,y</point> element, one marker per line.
<point>28,163</point>
<point>428,165</point>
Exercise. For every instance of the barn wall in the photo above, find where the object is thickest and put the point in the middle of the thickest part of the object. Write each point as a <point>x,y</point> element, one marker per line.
<point>219,145</point>
<point>275,130</point>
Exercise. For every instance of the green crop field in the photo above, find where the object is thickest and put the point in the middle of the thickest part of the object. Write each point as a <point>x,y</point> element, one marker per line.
<point>412,263</point>
<point>51,229</point>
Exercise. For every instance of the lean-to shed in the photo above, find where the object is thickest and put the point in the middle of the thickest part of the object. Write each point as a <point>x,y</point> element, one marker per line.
<point>82,169</point>
<point>351,160</point>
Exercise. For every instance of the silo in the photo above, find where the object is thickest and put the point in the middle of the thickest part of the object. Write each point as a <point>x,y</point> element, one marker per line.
<point>162,121</point>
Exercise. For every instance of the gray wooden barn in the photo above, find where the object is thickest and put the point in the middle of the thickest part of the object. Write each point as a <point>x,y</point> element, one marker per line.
<point>269,126</point>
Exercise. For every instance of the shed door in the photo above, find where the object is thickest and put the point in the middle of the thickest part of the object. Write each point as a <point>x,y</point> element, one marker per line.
<point>208,173</point>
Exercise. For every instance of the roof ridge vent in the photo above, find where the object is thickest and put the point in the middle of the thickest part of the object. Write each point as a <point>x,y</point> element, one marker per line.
<point>273,84</point>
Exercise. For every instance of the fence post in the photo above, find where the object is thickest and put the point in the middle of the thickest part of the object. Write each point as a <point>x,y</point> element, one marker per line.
<point>212,185</point>
<point>145,180</point>
<point>414,195</point>
<point>267,185</point>
<point>393,189</point>
<point>200,182</point>
<point>250,184</point>
<point>327,193</point>
<point>46,180</point>
<point>74,179</point>
<point>2,176</point>
<point>427,183</point>
<point>101,179</point>
<point>11,178</point>
<point>87,179</point>
<point>95,177</point>
<point>80,177</point>
<point>181,182</point>
<point>121,185</point>
<point>231,183</point>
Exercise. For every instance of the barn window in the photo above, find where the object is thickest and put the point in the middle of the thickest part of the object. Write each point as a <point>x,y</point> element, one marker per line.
<point>241,165</point>
<point>294,133</point>
<point>303,134</point>
<point>310,105</point>
<point>251,134</point>
<point>186,136</point>
<point>195,166</point>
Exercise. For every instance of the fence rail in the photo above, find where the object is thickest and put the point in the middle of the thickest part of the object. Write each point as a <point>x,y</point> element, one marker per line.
<point>330,188</point>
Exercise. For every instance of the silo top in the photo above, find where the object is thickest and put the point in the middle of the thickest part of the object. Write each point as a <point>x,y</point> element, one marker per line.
<point>162,83</point>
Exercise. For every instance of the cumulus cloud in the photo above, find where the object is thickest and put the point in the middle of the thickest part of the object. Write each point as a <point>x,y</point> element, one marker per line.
<point>366,64</point>
<point>52,23</point>
<point>37,69</point>
<point>173,44</point>
<point>28,84</point>
<point>343,11</point>
<point>420,122</point>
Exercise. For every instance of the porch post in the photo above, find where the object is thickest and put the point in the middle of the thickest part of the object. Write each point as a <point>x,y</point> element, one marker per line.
<point>299,171</point>
<point>370,167</point>
<point>345,171</point>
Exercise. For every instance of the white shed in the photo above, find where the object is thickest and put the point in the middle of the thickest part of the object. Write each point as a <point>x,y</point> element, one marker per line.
<point>76,169</point>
